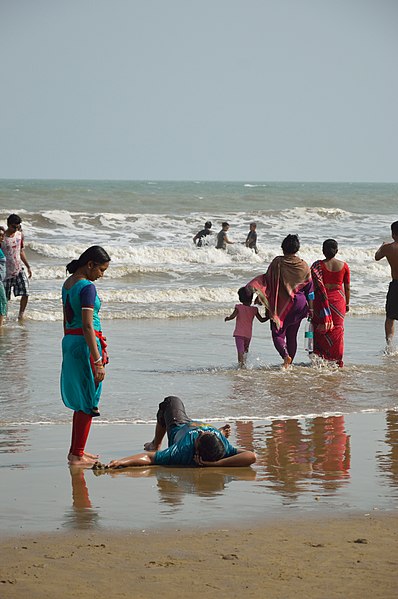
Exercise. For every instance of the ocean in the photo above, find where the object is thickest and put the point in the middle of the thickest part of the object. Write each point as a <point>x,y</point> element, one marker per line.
<point>164,300</point>
<point>325,438</point>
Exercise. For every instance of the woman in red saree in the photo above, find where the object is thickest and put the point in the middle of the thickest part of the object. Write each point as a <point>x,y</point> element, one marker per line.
<point>286,291</point>
<point>331,279</point>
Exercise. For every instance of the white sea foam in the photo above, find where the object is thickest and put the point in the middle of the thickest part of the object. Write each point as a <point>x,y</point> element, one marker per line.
<point>152,254</point>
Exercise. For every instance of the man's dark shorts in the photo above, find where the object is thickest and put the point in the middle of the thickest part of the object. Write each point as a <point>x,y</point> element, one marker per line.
<point>172,413</point>
<point>392,300</point>
<point>19,283</point>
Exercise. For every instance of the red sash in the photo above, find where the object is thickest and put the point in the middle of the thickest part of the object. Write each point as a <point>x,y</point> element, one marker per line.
<point>98,334</point>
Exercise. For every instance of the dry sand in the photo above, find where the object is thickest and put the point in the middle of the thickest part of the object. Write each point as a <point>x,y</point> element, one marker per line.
<point>341,557</point>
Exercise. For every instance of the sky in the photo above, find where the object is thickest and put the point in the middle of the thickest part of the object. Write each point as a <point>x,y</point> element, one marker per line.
<point>261,90</point>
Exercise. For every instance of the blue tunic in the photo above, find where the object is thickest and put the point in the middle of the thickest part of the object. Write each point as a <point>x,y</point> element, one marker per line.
<point>78,388</point>
<point>181,448</point>
<point>3,298</point>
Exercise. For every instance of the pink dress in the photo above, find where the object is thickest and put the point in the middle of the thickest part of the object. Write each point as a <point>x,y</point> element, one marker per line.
<point>244,320</point>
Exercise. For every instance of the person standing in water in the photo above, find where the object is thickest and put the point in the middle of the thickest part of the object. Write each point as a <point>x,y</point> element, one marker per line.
<point>331,280</point>
<point>244,313</point>
<point>251,239</point>
<point>83,348</point>
<point>286,290</point>
<point>3,298</point>
<point>200,237</point>
<point>222,237</point>
<point>13,248</point>
<point>390,251</point>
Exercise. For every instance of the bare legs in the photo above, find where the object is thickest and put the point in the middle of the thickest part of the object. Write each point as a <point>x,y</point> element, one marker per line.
<point>22,306</point>
<point>389,329</point>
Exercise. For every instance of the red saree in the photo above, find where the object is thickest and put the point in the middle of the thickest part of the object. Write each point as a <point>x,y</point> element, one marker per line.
<point>329,311</point>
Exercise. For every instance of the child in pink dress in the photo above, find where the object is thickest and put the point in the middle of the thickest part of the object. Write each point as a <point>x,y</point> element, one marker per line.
<point>244,314</point>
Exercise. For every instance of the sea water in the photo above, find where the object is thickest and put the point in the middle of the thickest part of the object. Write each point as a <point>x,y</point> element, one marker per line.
<point>164,300</point>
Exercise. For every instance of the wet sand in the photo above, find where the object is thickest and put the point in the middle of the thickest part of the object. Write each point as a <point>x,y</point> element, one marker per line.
<point>305,467</point>
<point>315,517</point>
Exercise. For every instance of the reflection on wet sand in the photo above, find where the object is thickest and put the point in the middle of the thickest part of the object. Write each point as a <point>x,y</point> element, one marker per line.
<point>388,462</point>
<point>174,483</point>
<point>331,450</point>
<point>296,459</point>
<point>81,516</point>
<point>296,451</point>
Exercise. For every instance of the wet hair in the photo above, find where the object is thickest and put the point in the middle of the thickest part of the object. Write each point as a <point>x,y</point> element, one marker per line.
<point>245,295</point>
<point>330,248</point>
<point>291,244</point>
<point>95,253</point>
<point>253,224</point>
<point>210,447</point>
<point>225,224</point>
<point>394,228</point>
<point>208,224</point>
<point>2,229</point>
<point>14,219</point>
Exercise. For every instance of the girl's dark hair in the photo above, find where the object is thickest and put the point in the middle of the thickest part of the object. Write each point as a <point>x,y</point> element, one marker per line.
<point>95,253</point>
<point>210,447</point>
<point>291,244</point>
<point>330,248</point>
<point>245,295</point>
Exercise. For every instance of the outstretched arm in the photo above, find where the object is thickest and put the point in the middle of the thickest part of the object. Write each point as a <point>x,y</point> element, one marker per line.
<point>382,251</point>
<point>242,458</point>
<point>139,459</point>
<point>262,318</point>
<point>231,316</point>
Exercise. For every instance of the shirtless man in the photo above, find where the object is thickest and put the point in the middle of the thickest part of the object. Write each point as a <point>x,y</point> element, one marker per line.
<point>390,251</point>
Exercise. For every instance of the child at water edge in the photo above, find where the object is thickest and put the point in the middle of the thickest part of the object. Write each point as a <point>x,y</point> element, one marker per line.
<point>244,314</point>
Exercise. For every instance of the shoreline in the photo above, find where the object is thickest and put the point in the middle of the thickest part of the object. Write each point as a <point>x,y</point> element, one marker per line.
<point>319,466</point>
<point>332,557</point>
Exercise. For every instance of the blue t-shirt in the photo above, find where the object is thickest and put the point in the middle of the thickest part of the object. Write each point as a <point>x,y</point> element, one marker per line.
<point>182,440</point>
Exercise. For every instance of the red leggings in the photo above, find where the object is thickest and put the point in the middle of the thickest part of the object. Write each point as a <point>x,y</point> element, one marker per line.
<point>80,430</point>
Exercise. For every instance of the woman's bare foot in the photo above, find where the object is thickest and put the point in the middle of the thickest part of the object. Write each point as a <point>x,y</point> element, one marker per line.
<point>225,430</point>
<point>80,460</point>
<point>287,361</point>
<point>93,456</point>
<point>151,446</point>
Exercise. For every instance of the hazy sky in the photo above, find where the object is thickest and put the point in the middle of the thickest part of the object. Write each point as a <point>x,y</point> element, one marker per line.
<point>281,90</point>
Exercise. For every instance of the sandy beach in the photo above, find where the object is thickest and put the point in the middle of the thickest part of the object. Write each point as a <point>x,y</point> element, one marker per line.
<point>334,557</point>
<point>297,524</point>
